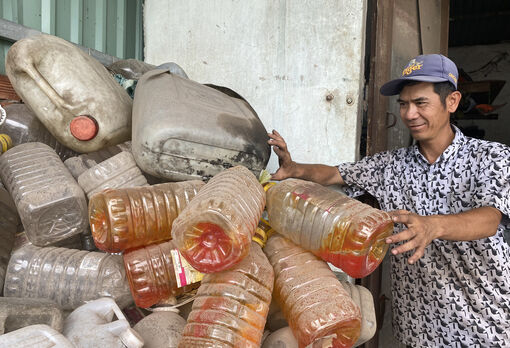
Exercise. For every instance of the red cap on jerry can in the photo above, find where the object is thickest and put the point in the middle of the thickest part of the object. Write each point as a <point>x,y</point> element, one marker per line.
<point>84,127</point>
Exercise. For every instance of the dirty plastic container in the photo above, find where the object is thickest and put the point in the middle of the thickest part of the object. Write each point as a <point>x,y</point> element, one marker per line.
<point>281,338</point>
<point>69,277</point>
<point>157,272</point>
<point>317,307</point>
<point>339,229</point>
<point>9,221</point>
<point>363,298</point>
<point>214,231</point>
<point>131,217</point>
<point>50,203</point>
<point>16,313</point>
<point>40,336</point>
<point>92,325</point>
<point>183,130</point>
<point>73,242</point>
<point>116,172</point>
<point>23,126</point>
<point>71,93</point>
<point>161,329</point>
<point>230,308</point>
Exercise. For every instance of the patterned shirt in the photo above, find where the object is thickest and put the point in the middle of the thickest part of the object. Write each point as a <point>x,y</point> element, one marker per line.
<point>458,293</point>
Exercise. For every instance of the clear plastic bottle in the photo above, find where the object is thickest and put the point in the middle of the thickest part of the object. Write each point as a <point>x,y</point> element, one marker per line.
<point>23,126</point>
<point>51,204</point>
<point>127,218</point>
<point>231,307</point>
<point>157,272</point>
<point>34,336</point>
<point>317,307</point>
<point>91,325</point>
<point>339,229</point>
<point>9,221</point>
<point>69,277</point>
<point>116,172</point>
<point>214,231</point>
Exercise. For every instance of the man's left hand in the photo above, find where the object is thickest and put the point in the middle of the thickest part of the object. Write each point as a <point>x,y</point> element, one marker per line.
<point>420,232</point>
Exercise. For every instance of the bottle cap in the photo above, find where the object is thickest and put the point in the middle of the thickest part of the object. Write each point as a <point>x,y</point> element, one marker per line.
<point>131,339</point>
<point>84,127</point>
<point>5,143</point>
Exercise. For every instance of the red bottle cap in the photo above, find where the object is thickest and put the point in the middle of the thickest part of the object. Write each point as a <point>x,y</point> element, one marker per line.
<point>84,127</point>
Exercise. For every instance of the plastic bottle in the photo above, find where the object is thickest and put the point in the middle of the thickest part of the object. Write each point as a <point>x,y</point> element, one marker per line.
<point>157,272</point>
<point>130,217</point>
<point>341,230</point>
<point>230,308</point>
<point>214,231</point>
<point>23,126</point>
<point>161,329</point>
<point>317,307</point>
<point>51,204</point>
<point>9,221</point>
<point>69,277</point>
<point>91,325</point>
<point>34,336</point>
<point>363,298</point>
<point>16,313</point>
<point>73,242</point>
<point>115,172</point>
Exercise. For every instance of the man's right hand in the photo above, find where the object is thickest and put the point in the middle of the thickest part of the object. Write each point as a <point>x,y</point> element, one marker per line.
<point>287,165</point>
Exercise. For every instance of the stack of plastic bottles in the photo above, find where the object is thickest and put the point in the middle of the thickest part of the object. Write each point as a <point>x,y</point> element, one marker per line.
<point>98,251</point>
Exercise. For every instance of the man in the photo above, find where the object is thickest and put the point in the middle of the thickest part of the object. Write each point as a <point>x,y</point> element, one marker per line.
<point>450,197</point>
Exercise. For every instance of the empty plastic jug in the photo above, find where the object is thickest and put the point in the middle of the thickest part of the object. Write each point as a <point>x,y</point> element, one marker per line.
<point>71,93</point>
<point>16,313</point>
<point>363,298</point>
<point>339,229</point>
<point>23,126</point>
<point>69,277</point>
<point>115,172</point>
<point>9,221</point>
<point>40,336</point>
<point>183,130</point>
<point>317,307</point>
<point>91,325</point>
<point>51,204</point>
<point>214,231</point>
<point>161,329</point>
<point>230,308</point>
<point>130,217</point>
<point>157,272</point>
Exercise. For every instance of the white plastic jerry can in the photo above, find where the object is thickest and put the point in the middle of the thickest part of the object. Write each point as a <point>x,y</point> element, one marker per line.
<point>34,336</point>
<point>71,93</point>
<point>91,325</point>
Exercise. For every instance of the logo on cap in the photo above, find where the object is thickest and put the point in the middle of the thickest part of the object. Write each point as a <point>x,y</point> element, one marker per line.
<point>412,66</point>
<point>453,77</point>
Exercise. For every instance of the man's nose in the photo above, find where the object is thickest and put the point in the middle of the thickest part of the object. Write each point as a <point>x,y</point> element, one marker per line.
<point>410,113</point>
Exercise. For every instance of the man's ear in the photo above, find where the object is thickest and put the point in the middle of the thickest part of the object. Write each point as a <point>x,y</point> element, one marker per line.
<point>452,101</point>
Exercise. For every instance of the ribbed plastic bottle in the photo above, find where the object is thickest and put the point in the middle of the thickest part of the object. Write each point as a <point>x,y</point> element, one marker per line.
<point>157,272</point>
<point>34,336</point>
<point>214,231</point>
<point>23,126</point>
<point>127,218</point>
<point>339,229</point>
<point>69,277</point>
<point>50,203</point>
<point>92,325</point>
<point>231,307</point>
<point>116,172</point>
<point>314,302</point>
<point>9,221</point>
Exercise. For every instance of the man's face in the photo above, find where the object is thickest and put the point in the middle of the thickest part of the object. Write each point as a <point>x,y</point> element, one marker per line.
<point>422,112</point>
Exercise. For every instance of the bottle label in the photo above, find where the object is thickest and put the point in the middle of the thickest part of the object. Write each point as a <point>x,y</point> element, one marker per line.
<point>184,273</point>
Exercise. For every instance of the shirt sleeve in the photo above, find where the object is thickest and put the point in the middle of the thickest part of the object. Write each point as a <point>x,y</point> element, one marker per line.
<point>493,183</point>
<point>365,175</point>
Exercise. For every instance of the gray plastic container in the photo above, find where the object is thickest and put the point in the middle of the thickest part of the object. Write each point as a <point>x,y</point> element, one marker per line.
<point>115,172</point>
<point>183,130</point>
<point>16,313</point>
<point>35,336</point>
<point>9,221</point>
<point>69,277</point>
<point>23,126</point>
<point>161,329</point>
<point>50,203</point>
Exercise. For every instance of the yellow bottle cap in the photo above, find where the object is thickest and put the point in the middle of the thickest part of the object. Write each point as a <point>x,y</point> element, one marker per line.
<point>5,143</point>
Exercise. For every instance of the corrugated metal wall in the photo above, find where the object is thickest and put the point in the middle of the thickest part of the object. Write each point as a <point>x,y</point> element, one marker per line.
<point>110,26</point>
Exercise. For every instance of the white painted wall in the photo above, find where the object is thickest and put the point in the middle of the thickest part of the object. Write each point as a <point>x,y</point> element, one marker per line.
<point>283,56</point>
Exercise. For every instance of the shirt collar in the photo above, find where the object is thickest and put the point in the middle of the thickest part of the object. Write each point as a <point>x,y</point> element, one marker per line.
<point>458,140</point>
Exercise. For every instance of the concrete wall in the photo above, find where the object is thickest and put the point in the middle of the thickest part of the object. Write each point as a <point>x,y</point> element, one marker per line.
<point>287,58</point>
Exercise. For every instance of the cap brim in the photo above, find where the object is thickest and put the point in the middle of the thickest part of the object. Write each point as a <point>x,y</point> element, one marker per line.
<point>394,87</point>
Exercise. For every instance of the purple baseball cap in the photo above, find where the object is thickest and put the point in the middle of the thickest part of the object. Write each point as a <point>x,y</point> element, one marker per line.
<point>425,68</point>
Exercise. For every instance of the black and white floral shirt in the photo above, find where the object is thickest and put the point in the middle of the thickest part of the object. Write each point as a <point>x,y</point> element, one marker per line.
<point>458,293</point>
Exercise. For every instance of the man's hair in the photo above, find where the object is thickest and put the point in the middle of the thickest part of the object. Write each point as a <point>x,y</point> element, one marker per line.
<point>443,89</point>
